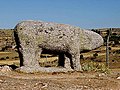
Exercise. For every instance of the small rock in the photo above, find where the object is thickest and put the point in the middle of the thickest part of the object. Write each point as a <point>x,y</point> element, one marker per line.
<point>101,75</point>
<point>44,85</point>
<point>118,78</point>
<point>1,81</point>
<point>6,69</point>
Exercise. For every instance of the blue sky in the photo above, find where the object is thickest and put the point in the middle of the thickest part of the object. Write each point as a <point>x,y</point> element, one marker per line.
<point>82,13</point>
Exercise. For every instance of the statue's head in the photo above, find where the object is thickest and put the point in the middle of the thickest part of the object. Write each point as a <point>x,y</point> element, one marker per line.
<point>91,40</point>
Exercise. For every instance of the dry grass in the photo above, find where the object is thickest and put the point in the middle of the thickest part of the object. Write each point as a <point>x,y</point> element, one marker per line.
<point>115,48</point>
<point>9,62</point>
<point>114,59</point>
<point>8,54</point>
<point>12,60</point>
<point>50,59</point>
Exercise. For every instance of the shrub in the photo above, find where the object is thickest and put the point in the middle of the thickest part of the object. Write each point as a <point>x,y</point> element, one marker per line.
<point>93,66</point>
<point>81,56</point>
<point>88,67</point>
<point>110,48</point>
<point>3,49</point>
<point>117,51</point>
<point>2,58</point>
<point>95,55</point>
<point>7,57</point>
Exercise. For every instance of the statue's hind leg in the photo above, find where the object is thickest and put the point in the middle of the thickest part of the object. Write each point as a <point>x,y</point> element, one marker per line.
<point>76,61</point>
<point>75,57</point>
<point>64,60</point>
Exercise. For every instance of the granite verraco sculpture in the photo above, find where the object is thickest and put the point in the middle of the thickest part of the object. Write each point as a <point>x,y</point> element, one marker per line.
<point>33,37</point>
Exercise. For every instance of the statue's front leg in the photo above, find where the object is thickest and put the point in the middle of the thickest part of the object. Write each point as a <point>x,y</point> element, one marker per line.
<point>31,55</point>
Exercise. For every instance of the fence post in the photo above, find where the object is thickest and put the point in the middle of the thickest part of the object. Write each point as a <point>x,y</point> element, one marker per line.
<point>107,46</point>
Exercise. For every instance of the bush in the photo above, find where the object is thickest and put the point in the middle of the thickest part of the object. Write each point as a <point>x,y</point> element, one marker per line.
<point>93,66</point>
<point>7,57</point>
<point>110,48</point>
<point>88,66</point>
<point>3,49</point>
<point>95,55</point>
<point>81,56</point>
<point>2,58</point>
<point>117,51</point>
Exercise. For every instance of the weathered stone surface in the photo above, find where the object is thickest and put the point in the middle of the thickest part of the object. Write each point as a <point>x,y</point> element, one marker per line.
<point>90,40</point>
<point>32,37</point>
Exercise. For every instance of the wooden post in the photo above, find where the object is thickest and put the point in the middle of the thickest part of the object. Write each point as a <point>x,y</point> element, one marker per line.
<point>107,47</point>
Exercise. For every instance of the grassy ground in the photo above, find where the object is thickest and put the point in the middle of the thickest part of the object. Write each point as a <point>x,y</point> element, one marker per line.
<point>49,60</point>
<point>11,58</point>
<point>87,80</point>
<point>114,58</point>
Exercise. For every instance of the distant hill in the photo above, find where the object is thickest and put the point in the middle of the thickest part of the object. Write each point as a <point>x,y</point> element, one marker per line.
<point>7,39</point>
<point>103,30</point>
<point>114,37</point>
<point>6,32</point>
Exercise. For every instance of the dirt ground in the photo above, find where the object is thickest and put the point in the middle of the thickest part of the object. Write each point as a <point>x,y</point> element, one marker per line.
<point>13,80</point>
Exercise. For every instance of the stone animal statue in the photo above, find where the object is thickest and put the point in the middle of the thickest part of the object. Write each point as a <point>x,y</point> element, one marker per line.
<point>33,37</point>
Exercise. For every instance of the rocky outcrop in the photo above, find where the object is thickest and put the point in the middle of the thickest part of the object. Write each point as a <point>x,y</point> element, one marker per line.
<point>33,37</point>
<point>6,69</point>
<point>118,78</point>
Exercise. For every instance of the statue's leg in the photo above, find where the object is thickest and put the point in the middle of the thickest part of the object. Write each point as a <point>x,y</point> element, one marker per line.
<point>64,61</point>
<point>61,60</point>
<point>75,56</point>
<point>31,55</point>
<point>67,63</point>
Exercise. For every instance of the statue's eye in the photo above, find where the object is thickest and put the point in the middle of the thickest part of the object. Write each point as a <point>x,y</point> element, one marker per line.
<point>20,28</point>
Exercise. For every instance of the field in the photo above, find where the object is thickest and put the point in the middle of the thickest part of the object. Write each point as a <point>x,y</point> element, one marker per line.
<point>9,58</point>
<point>59,81</point>
<point>86,80</point>
<point>95,74</point>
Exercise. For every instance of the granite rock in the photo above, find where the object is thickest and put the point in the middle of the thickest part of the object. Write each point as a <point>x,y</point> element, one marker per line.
<point>33,37</point>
